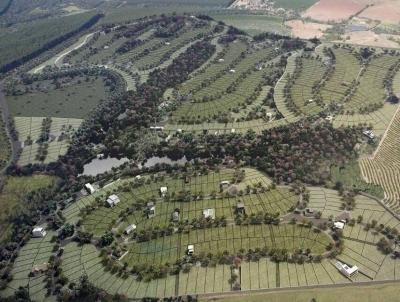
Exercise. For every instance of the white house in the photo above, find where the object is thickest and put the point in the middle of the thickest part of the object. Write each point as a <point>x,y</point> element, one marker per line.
<point>339,225</point>
<point>113,200</point>
<point>224,183</point>
<point>369,133</point>
<point>157,128</point>
<point>209,213</point>
<point>38,232</point>
<point>346,270</point>
<point>163,191</point>
<point>129,229</point>
<point>232,70</point>
<point>89,188</point>
<point>190,249</point>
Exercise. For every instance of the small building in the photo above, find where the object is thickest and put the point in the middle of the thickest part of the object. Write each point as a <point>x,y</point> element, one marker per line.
<point>40,268</point>
<point>38,232</point>
<point>190,249</point>
<point>233,130</point>
<point>138,177</point>
<point>129,229</point>
<point>232,70</point>
<point>100,156</point>
<point>240,209</point>
<point>221,60</point>
<point>113,200</point>
<point>309,212</point>
<point>329,118</point>
<point>89,188</point>
<point>339,225</point>
<point>151,209</point>
<point>346,270</point>
<point>209,213</point>
<point>167,43</point>
<point>310,101</point>
<point>369,133</point>
<point>157,128</point>
<point>224,183</point>
<point>179,130</point>
<point>176,216</point>
<point>163,191</point>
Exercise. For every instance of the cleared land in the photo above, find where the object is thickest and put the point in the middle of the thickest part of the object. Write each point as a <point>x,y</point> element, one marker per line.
<point>332,10</point>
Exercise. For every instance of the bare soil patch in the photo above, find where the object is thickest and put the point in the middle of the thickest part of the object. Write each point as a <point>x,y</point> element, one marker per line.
<point>307,30</point>
<point>333,10</point>
<point>387,11</point>
<point>369,38</point>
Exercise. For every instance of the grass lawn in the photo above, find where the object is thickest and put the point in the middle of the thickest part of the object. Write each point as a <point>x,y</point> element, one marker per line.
<point>14,190</point>
<point>251,23</point>
<point>370,293</point>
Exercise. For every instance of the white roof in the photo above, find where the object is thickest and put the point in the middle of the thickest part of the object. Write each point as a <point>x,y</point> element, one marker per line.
<point>209,213</point>
<point>190,247</point>
<point>225,182</point>
<point>345,269</point>
<point>339,225</point>
<point>233,130</point>
<point>232,70</point>
<point>130,227</point>
<point>113,197</point>
<point>164,189</point>
<point>37,229</point>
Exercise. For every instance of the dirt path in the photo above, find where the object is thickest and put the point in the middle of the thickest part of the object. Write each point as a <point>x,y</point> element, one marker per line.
<point>5,114</point>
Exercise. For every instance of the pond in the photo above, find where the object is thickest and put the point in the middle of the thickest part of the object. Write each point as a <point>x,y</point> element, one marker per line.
<point>99,166</point>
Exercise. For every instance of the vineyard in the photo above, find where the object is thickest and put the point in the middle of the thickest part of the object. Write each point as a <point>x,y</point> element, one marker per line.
<point>383,167</point>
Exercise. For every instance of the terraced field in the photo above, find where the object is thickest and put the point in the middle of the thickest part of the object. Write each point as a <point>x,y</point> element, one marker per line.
<point>232,85</point>
<point>29,130</point>
<point>36,252</point>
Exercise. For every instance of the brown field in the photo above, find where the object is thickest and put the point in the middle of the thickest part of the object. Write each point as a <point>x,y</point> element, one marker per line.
<point>388,11</point>
<point>307,30</point>
<point>370,38</point>
<point>333,10</point>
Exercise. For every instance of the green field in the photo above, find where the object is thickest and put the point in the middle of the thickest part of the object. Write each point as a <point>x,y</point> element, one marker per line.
<point>12,194</point>
<point>75,98</point>
<point>29,38</point>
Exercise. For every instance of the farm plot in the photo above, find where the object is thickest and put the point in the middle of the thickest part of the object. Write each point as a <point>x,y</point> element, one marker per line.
<point>73,98</point>
<point>383,168</point>
<point>309,72</point>
<point>36,252</point>
<point>102,219</point>
<point>30,129</point>
<point>239,87</point>
<point>230,238</point>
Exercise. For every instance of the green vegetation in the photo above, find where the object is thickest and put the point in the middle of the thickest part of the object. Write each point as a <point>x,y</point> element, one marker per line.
<point>5,148</point>
<point>349,177</point>
<point>296,5</point>
<point>30,38</point>
<point>63,97</point>
<point>12,195</point>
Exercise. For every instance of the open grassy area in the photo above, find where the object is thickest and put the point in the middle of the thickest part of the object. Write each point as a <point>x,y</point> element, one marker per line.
<point>12,194</point>
<point>75,98</point>
<point>350,176</point>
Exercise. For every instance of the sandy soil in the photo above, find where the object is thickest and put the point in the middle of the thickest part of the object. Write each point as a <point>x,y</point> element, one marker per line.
<point>307,30</point>
<point>370,38</point>
<point>333,10</point>
<point>387,11</point>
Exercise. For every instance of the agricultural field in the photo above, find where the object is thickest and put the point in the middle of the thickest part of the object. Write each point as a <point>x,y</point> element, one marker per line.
<point>359,243</point>
<point>35,253</point>
<point>36,150</point>
<point>30,38</point>
<point>15,189</point>
<point>383,167</point>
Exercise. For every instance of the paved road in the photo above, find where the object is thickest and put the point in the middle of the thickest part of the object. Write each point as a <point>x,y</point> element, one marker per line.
<point>5,114</point>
